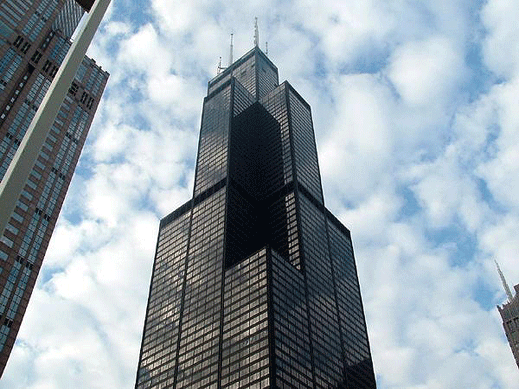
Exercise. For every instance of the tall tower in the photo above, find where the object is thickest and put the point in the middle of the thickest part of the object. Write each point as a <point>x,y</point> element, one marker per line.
<point>254,282</point>
<point>510,315</point>
<point>34,39</point>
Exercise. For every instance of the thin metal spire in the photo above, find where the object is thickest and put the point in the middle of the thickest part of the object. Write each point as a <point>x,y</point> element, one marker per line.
<point>256,32</point>
<point>230,54</point>
<point>219,68</point>
<point>267,49</point>
<point>505,285</point>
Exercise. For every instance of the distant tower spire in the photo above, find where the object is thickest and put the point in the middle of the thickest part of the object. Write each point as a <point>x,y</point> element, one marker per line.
<point>267,49</point>
<point>230,54</point>
<point>505,285</point>
<point>256,32</point>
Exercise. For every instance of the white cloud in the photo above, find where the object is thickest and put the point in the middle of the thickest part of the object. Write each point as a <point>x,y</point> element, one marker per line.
<point>427,72</point>
<point>502,166</point>
<point>142,51</point>
<point>446,191</point>
<point>112,142</point>
<point>500,239</point>
<point>347,30</point>
<point>501,46</point>
<point>358,146</point>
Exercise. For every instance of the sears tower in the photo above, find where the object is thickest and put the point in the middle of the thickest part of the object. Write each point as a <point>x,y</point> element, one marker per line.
<point>254,282</point>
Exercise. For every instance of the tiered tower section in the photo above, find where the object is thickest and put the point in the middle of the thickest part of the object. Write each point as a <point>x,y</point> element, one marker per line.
<point>254,282</point>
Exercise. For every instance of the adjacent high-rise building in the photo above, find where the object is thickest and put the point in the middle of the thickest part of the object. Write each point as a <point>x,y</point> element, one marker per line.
<point>254,281</point>
<point>34,39</point>
<point>510,315</point>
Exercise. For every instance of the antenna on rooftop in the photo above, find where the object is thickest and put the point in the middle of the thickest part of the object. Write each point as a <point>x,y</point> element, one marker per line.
<point>230,54</point>
<point>267,49</point>
<point>505,285</point>
<point>220,68</point>
<point>256,32</point>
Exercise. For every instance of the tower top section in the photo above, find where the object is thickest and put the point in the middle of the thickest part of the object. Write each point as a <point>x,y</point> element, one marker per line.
<point>254,71</point>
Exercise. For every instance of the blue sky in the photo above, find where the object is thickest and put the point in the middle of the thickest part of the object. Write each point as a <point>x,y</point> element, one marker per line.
<point>415,114</point>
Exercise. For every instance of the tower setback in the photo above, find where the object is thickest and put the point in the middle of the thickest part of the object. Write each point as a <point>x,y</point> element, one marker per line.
<point>254,281</point>
<point>34,39</point>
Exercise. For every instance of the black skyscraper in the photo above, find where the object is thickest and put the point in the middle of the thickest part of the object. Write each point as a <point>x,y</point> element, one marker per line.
<point>254,282</point>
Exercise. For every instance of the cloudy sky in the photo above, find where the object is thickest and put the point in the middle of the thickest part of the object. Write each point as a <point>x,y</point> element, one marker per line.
<point>415,113</point>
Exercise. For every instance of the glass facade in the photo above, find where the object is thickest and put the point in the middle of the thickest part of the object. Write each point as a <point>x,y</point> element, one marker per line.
<point>245,336</point>
<point>510,316</point>
<point>200,323</point>
<point>68,18</point>
<point>259,287</point>
<point>32,47</point>
<point>212,148</point>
